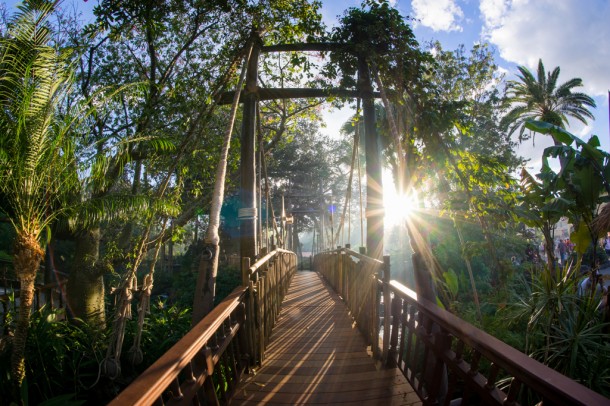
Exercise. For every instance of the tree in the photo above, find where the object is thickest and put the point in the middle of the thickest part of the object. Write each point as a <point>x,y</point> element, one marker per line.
<point>36,154</point>
<point>167,56</point>
<point>541,207</point>
<point>541,98</point>
<point>583,182</point>
<point>471,153</point>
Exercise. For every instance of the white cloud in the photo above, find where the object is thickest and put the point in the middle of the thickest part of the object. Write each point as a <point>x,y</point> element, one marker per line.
<point>571,34</point>
<point>439,15</point>
<point>493,11</point>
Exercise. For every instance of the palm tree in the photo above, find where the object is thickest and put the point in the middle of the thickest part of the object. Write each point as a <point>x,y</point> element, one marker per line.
<point>542,99</point>
<point>35,150</point>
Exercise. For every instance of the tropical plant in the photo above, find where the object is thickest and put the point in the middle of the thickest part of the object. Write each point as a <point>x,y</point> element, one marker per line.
<point>542,98</point>
<point>564,331</point>
<point>36,148</point>
<point>583,183</point>
<point>541,207</point>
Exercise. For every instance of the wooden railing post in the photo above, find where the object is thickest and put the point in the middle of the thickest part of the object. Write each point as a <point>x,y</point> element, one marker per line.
<point>387,308</point>
<point>396,320</point>
<point>250,324</point>
<point>374,325</point>
<point>339,280</point>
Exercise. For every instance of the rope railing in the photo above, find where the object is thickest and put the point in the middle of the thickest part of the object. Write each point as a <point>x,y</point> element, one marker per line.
<point>447,360</point>
<point>206,365</point>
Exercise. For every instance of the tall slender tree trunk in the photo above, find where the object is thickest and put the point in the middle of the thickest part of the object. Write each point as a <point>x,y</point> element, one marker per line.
<point>496,267</point>
<point>27,259</point>
<point>85,287</point>
<point>205,288</point>
<point>549,247</point>
<point>475,293</point>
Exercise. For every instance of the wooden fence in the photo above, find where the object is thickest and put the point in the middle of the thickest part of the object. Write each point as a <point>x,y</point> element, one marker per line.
<point>205,366</point>
<point>446,360</point>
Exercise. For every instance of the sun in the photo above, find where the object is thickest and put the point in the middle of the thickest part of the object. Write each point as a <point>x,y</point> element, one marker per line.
<point>397,207</point>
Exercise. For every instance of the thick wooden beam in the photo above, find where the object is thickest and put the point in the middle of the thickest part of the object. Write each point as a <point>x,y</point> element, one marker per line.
<point>374,184</point>
<point>292,93</point>
<point>247,211</point>
<point>305,47</point>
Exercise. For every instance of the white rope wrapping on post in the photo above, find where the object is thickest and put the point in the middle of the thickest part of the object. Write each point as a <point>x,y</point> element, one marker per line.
<point>247,213</point>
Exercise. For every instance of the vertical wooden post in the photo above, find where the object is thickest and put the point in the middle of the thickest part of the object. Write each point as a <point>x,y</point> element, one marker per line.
<point>282,241</point>
<point>250,323</point>
<point>374,184</point>
<point>387,308</point>
<point>245,272</point>
<point>340,270</point>
<point>247,211</point>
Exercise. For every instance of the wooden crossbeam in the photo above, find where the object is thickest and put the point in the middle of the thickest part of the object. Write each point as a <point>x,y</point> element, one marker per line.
<point>293,93</point>
<point>303,47</point>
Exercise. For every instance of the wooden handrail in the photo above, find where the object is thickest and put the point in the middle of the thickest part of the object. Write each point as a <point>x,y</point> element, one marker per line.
<point>358,255</point>
<point>153,382</point>
<point>234,334</point>
<point>438,352</point>
<point>264,260</point>
<point>546,382</point>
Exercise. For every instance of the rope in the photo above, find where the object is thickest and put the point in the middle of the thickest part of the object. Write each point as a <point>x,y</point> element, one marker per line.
<point>123,298</point>
<point>135,352</point>
<point>259,177</point>
<point>264,165</point>
<point>348,194</point>
<point>402,166</point>
<point>349,222</point>
<point>360,180</point>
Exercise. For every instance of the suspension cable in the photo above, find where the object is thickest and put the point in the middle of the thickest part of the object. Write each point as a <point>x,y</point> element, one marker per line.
<point>360,178</point>
<point>348,194</point>
<point>264,167</point>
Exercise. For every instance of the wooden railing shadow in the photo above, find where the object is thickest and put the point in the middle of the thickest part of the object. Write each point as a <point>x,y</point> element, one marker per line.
<point>447,360</point>
<point>205,366</point>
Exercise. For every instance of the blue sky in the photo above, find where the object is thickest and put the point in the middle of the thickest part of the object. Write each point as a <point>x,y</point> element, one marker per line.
<point>571,34</point>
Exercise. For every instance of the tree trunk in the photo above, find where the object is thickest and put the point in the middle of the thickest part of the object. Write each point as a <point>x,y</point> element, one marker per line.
<point>475,293</point>
<point>27,259</point>
<point>85,287</point>
<point>496,267</point>
<point>549,248</point>
<point>203,302</point>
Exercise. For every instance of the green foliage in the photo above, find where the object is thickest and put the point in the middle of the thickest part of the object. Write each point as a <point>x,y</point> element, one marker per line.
<point>63,363</point>
<point>582,183</point>
<point>62,360</point>
<point>165,325</point>
<point>564,331</point>
<point>451,281</point>
<point>36,150</point>
<point>542,98</point>
<point>377,33</point>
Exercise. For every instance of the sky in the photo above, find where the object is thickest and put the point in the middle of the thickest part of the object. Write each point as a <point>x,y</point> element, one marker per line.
<point>571,34</point>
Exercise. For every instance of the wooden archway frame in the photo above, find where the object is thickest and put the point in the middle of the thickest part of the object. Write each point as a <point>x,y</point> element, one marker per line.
<point>253,93</point>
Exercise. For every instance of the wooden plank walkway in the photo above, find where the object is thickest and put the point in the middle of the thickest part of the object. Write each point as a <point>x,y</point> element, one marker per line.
<point>317,356</point>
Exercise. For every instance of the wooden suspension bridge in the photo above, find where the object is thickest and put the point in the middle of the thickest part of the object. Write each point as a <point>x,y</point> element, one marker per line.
<point>343,332</point>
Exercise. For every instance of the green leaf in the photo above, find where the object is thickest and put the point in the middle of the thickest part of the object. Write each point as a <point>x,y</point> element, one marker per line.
<point>451,279</point>
<point>581,238</point>
<point>62,400</point>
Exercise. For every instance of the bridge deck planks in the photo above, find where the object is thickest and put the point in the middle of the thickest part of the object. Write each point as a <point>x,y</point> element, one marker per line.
<point>317,356</point>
